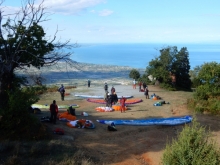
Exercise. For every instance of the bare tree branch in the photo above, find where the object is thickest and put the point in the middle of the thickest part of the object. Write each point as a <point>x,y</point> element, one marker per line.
<point>23,42</point>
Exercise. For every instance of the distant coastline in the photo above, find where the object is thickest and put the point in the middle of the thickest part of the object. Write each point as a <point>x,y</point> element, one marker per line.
<point>79,73</point>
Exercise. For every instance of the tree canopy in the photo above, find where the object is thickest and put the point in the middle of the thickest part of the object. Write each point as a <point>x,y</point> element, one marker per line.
<point>206,81</point>
<point>171,67</point>
<point>134,74</point>
<point>209,78</point>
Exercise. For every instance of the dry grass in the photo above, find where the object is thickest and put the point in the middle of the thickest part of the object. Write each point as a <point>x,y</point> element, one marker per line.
<point>54,88</point>
<point>50,152</point>
<point>129,145</point>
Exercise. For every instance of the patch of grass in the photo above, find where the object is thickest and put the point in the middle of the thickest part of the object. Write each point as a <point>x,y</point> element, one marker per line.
<point>55,88</point>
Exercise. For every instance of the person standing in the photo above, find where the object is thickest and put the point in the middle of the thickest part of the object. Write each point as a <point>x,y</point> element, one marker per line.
<point>140,84</point>
<point>106,97</point>
<point>106,87</point>
<point>62,92</point>
<point>112,90</point>
<point>109,100</point>
<point>114,98</point>
<point>146,93</point>
<point>53,112</point>
<point>122,103</point>
<point>134,84</point>
<point>144,86</point>
<point>89,82</point>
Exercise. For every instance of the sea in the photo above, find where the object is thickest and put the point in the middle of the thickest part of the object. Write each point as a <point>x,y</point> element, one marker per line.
<point>138,55</point>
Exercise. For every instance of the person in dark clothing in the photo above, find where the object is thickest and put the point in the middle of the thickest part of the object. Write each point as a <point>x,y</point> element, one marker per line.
<point>114,98</point>
<point>106,87</point>
<point>62,92</point>
<point>144,86</point>
<point>71,110</point>
<point>89,82</point>
<point>146,93</point>
<point>53,112</point>
<point>109,100</point>
<point>106,97</point>
<point>112,90</point>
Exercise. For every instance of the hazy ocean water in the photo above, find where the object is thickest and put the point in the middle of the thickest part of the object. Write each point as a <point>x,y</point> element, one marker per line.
<point>139,55</point>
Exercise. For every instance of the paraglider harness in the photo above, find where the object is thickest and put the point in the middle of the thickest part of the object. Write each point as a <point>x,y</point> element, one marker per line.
<point>111,127</point>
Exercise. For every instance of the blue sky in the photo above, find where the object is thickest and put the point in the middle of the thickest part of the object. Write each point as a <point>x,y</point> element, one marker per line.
<point>132,21</point>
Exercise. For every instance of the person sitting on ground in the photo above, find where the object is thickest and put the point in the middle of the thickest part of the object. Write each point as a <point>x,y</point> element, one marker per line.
<point>71,110</point>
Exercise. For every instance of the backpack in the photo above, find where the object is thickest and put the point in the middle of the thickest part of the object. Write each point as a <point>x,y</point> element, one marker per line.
<point>111,128</point>
<point>62,90</point>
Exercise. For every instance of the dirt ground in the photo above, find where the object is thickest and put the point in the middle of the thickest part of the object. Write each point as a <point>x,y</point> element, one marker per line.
<point>129,145</point>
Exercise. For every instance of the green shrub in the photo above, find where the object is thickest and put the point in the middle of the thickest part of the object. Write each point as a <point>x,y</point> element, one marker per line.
<point>193,146</point>
<point>37,90</point>
<point>201,105</point>
<point>151,82</point>
<point>191,103</point>
<point>206,91</point>
<point>201,93</point>
<point>167,86</point>
<point>195,82</point>
<point>17,122</point>
<point>134,74</point>
<point>212,105</point>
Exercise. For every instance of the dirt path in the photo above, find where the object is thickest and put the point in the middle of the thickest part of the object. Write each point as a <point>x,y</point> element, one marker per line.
<point>130,144</point>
